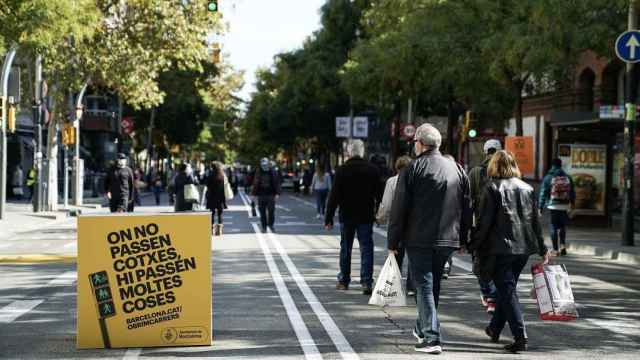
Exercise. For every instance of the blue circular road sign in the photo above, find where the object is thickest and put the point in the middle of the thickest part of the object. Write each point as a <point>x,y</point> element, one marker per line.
<point>628,46</point>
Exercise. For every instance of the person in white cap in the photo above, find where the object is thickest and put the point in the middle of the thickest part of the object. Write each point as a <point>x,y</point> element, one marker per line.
<point>478,179</point>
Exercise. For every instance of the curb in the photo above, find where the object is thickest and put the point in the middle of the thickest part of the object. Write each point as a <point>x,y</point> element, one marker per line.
<point>611,254</point>
<point>37,259</point>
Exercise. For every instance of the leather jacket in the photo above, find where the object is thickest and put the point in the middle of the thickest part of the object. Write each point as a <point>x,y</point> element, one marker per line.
<point>432,205</point>
<point>509,223</point>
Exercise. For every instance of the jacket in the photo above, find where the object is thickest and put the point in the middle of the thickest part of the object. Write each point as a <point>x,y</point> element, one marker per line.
<point>382,217</point>
<point>545,200</point>
<point>215,192</point>
<point>431,207</point>
<point>477,181</point>
<point>181,180</point>
<point>119,183</point>
<point>509,222</point>
<point>356,191</point>
<point>266,183</point>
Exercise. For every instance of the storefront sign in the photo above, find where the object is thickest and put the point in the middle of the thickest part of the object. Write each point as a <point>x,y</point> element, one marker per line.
<point>144,281</point>
<point>587,164</point>
<point>522,149</point>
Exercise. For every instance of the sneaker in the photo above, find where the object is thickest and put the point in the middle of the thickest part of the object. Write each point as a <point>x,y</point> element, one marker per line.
<point>483,300</point>
<point>341,286</point>
<point>367,290</point>
<point>431,347</point>
<point>491,308</point>
<point>563,252</point>
<point>418,337</point>
<point>445,276</point>
<point>411,293</point>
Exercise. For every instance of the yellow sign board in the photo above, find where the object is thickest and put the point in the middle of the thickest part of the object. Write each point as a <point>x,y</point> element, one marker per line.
<point>144,280</point>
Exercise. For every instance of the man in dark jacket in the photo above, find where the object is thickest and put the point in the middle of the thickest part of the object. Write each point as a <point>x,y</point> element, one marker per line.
<point>357,191</point>
<point>119,185</point>
<point>431,212</point>
<point>478,180</point>
<point>557,194</point>
<point>266,187</point>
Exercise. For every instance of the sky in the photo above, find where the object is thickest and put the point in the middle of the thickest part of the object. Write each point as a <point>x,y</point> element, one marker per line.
<point>260,29</point>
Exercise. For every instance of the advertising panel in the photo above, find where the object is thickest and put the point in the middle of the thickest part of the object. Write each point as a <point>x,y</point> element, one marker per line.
<point>587,165</point>
<point>522,149</point>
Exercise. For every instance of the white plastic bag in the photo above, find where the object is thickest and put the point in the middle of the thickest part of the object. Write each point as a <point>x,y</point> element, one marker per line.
<point>388,290</point>
<point>553,292</point>
<point>228,192</point>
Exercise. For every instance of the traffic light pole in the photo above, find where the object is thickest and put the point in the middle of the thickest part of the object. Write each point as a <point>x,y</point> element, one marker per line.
<point>37,119</point>
<point>6,69</point>
<point>77,178</point>
<point>629,144</point>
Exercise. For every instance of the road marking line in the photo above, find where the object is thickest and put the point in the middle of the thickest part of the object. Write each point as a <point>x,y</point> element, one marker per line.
<point>303,201</point>
<point>246,202</point>
<point>341,343</point>
<point>132,354</point>
<point>11,312</point>
<point>283,208</point>
<point>66,279</point>
<point>307,343</point>
<point>71,244</point>
<point>285,217</point>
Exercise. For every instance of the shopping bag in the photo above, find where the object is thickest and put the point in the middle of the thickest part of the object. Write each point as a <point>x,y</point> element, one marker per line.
<point>191,194</point>
<point>553,292</point>
<point>388,290</point>
<point>228,192</point>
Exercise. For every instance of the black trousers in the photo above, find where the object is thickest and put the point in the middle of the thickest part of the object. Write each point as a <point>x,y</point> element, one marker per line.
<point>267,209</point>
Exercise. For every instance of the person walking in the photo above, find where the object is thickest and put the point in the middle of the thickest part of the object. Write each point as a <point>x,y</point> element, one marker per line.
<point>508,233</point>
<point>32,178</point>
<point>157,188</point>
<point>119,185</point>
<point>184,178</point>
<point>357,191</point>
<point>321,185</point>
<point>384,211</point>
<point>430,216</point>
<point>17,181</point>
<point>216,201</point>
<point>478,180</point>
<point>558,195</point>
<point>266,188</point>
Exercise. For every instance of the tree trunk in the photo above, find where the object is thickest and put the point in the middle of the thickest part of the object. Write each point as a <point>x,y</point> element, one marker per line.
<point>451,124</point>
<point>517,88</point>
<point>395,141</point>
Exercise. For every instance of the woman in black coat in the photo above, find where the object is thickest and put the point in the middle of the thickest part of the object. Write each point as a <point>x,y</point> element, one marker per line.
<point>508,233</point>
<point>216,200</point>
<point>185,177</point>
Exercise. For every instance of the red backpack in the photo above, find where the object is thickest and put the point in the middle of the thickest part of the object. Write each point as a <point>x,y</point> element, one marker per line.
<point>560,189</point>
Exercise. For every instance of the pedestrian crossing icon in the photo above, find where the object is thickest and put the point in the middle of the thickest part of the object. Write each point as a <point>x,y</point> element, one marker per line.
<point>104,302</point>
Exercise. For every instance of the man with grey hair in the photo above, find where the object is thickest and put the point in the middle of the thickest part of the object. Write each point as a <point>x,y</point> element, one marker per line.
<point>430,217</point>
<point>357,191</point>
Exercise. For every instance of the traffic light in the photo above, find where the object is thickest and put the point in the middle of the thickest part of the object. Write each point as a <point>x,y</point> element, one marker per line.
<point>11,118</point>
<point>468,130</point>
<point>212,6</point>
<point>68,134</point>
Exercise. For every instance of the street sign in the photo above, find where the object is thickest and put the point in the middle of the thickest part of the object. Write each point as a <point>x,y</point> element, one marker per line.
<point>628,46</point>
<point>343,127</point>
<point>361,127</point>
<point>146,277</point>
<point>408,131</point>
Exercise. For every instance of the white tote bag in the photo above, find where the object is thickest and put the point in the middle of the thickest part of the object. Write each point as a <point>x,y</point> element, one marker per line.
<point>388,290</point>
<point>228,192</point>
<point>191,193</point>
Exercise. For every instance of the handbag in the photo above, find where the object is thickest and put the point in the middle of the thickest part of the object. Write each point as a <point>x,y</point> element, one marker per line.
<point>228,192</point>
<point>388,290</point>
<point>191,194</point>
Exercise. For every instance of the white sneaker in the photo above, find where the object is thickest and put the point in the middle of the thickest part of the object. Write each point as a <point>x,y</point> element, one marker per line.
<point>415,335</point>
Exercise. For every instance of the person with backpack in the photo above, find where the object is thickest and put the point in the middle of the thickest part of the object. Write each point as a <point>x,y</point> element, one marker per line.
<point>558,195</point>
<point>266,187</point>
<point>478,180</point>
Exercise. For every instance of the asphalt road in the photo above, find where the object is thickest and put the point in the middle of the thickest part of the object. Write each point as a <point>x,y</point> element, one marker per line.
<point>274,297</point>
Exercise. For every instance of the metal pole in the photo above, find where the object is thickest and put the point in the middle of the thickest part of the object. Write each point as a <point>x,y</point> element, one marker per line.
<point>629,148</point>
<point>37,118</point>
<point>66,177</point>
<point>6,69</point>
<point>78,188</point>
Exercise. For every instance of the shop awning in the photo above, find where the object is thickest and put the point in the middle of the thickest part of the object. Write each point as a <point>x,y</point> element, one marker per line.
<point>576,118</point>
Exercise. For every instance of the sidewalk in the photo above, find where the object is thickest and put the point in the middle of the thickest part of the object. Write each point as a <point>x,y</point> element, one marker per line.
<point>606,243</point>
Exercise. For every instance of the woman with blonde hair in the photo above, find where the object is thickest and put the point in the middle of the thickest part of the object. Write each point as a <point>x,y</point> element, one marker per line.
<point>508,233</point>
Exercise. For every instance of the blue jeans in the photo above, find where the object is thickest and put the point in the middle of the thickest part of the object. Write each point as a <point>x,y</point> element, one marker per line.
<point>321,200</point>
<point>426,267</point>
<point>506,274</point>
<point>365,239</point>
<point>488,289</point>
<point>559,221</point>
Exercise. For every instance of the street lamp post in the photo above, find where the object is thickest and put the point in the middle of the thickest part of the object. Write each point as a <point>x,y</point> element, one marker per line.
<point>6,69</point>
<point>629,144</point>
<point>77,162</point>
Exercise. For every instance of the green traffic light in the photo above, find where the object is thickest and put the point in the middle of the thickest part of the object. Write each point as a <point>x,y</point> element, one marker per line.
<point>473,133</point>
<point>213,6</point>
